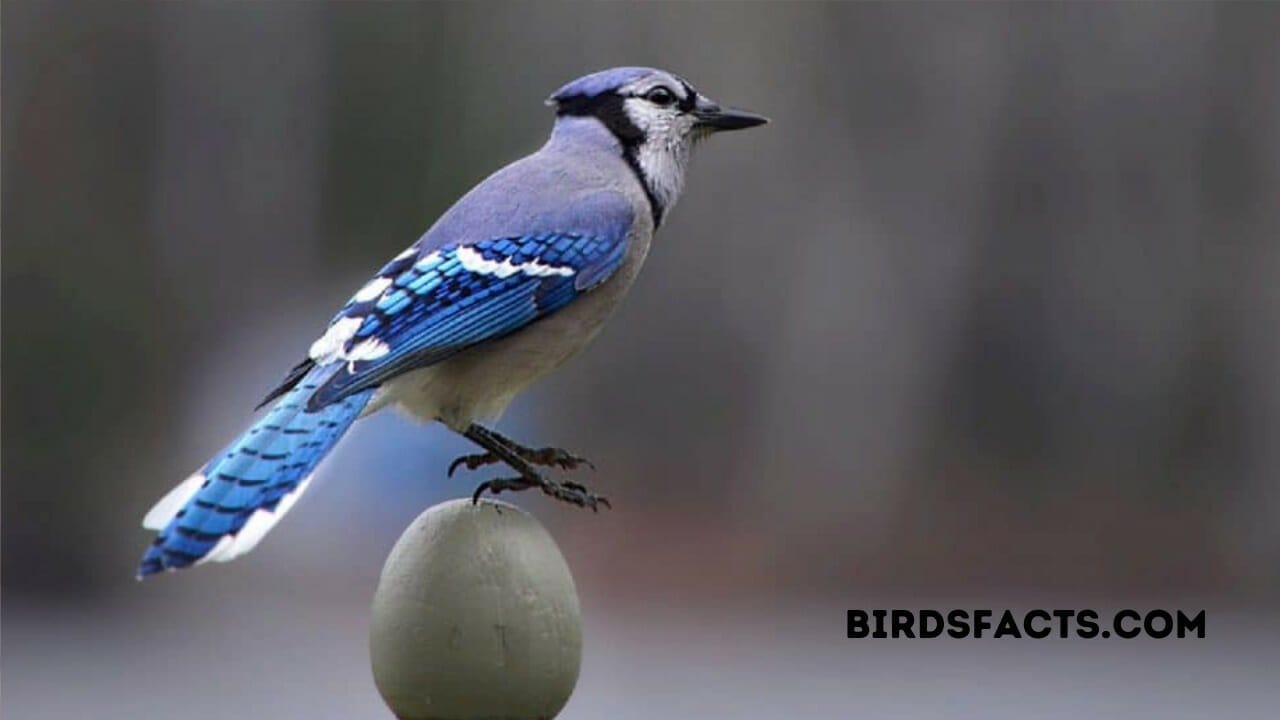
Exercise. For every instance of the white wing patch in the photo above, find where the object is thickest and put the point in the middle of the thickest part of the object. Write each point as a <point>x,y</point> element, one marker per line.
<point>371,291</point>
<point>163,512</point>
<point>473,261</point>
<point>230,547</point>
<point>427,261</point>
<point>370,349</point>
<point>330,346</point>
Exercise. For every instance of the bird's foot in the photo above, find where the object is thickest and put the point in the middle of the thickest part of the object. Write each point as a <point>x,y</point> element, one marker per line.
<point>570,492</point>
<point>555,457</point>
<point>546,457</point>
<point>577,494</point>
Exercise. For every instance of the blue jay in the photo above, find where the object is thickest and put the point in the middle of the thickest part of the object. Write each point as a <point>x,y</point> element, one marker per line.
<point>508,284</point>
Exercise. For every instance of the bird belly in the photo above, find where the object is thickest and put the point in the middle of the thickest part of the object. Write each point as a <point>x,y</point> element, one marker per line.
<point>478,383</point>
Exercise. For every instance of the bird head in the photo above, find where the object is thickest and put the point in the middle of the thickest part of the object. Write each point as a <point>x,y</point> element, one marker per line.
<point>656,116</point>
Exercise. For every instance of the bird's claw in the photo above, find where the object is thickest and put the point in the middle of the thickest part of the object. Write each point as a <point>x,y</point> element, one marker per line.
<point>570,492</point>
<point>556,457</point>
<point>577,494</point>
<point>499,485</point>
<point>547,457</point>
<point>471,461</point>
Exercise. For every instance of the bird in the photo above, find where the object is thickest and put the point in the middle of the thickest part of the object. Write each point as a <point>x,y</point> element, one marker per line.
<point>510,282</point>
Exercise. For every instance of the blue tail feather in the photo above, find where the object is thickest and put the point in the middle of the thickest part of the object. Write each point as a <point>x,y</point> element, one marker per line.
<point>223,510</point>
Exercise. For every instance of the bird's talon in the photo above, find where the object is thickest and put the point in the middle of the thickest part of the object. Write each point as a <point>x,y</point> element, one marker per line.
<point>557,458</point>
<point>547,457</point>
<point>500,485</point>
<point>577,494</point>
<point>471,462</point>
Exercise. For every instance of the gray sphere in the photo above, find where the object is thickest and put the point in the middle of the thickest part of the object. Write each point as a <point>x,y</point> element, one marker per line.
<point>475,616</point>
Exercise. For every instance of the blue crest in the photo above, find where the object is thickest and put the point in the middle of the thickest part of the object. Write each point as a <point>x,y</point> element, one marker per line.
<point>601,82</point>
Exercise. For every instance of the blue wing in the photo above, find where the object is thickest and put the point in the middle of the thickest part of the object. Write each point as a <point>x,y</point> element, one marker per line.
<point>427,305</point>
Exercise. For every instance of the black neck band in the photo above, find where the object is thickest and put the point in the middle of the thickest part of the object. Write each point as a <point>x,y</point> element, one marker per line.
<point>608,109</point>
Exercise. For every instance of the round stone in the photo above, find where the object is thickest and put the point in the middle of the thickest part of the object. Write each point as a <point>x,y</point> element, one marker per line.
<point>475,616</point>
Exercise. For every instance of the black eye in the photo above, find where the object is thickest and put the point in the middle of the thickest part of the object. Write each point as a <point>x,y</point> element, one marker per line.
<point>660,96</point>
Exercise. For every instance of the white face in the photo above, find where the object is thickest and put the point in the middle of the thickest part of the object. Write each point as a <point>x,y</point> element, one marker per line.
<point>659,106</point>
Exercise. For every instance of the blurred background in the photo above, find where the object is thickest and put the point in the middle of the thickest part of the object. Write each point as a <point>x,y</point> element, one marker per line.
<point>988,317</point>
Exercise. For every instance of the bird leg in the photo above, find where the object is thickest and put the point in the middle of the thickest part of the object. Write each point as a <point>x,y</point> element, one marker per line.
<point>508,452</point>
<point>546,457</point>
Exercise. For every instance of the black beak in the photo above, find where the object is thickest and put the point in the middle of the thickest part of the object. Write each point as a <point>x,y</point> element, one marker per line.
<point>715,118</point>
